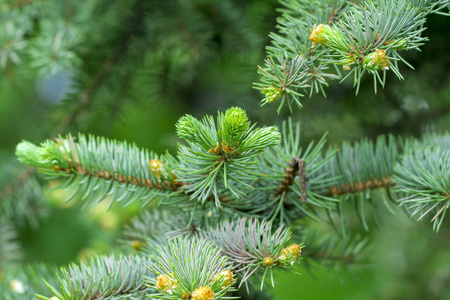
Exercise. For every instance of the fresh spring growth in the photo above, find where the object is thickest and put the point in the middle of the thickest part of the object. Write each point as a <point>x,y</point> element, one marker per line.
<point>268,262</point>
<point>224,279</point>
<point>166,284</point>
<point>233,125</point>
<point>328,36</point>
<point>290,255</point>
<point>221,155</point>
<point>399,44</point>
<point>272,93</point>
<point>203,293</point>
<point>318,35</point>
<point>49,154</point>
<point>377,60</point>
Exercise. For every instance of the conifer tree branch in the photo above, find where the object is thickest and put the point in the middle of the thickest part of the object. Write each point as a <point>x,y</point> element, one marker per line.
<point>363,37</point>
<point>103,278</point>
<point>100,167</point>
<point>253,247</point>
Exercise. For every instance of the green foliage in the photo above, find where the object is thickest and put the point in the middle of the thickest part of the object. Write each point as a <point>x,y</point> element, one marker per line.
<point>252,247</point>
<point>221,156</point>
<point>189,268</point>
<point>103,278</point>
<point>98,168</point>
<point>423,178</point>
<point>366,36</point>
<point>235,192</point>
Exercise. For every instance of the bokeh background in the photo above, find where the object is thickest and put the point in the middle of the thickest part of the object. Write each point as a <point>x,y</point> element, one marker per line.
<point>129,69</point>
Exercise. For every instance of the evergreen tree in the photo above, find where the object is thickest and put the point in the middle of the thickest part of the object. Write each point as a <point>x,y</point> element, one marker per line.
<point>236,200</point>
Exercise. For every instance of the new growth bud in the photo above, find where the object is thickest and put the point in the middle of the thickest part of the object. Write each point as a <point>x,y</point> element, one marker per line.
<point>17,286</point>
<point>290,255</point>
<point>272,93</point>
<point>226,276</point>
<point>234,124</point>
<point>377,60</point>
<point>160,169</point>
<point>268,262</point>
<point>138,245</point>
<point>318,35</point>
<point>48,155</point>
<point>165,283</point>
<point>203,293</point>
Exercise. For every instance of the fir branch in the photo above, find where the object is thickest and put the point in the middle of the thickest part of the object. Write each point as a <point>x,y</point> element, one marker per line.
<point>365,165</point>
<point>190,269</point>
<point>251,245</point>
<point>221,157</point>
<point>99,167</point>
<point>363,37</point>
<point>423,175</point>
<point>274,203</point>
<point>103,278</point>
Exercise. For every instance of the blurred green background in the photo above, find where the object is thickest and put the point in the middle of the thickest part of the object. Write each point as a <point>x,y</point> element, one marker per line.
<point>144,64</point>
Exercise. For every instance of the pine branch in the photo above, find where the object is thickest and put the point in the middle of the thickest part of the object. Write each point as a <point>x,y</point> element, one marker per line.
<point>363,37</point>
<point>253,248</point>
<point>99,168</point>
<point>295,167</point>
<point>423,176</point>
<point>221,157</point>
<point>190,269</point>
<point>103,278</point>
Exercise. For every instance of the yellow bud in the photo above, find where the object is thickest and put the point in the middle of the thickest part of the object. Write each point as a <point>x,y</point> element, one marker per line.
<point>317,36</point>
<point>157,168</point>
<point>294,249</point>
<point>227,277</point>
<point>268,262</point>
<point>290,254</point>
<point>377,60</point>
<point>163,283</point>
<point>273,93</point>
<point>203,293</point>
<point>228,149</point>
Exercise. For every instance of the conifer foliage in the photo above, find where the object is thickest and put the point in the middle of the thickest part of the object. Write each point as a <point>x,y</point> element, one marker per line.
<point>237,200</point>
